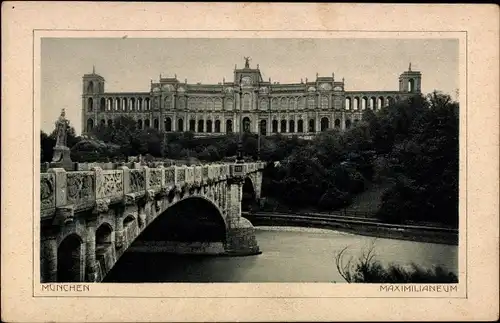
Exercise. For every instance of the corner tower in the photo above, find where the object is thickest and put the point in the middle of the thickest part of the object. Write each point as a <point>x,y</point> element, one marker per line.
<point>93,88</point>
<point>410,81</point>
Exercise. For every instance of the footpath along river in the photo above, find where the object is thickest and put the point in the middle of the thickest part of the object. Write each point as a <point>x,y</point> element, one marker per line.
<point>289,254</point>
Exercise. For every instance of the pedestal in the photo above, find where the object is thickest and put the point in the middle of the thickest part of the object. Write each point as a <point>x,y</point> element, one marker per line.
<point>62,158</point>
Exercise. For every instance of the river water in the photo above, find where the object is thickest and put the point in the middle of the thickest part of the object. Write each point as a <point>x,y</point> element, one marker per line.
<point>288,255</point>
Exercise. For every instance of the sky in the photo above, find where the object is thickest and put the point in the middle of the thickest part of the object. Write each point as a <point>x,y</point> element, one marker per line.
<point>128,65</point>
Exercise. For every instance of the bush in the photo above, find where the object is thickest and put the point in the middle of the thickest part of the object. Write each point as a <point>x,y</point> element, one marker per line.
<point>368,270</point>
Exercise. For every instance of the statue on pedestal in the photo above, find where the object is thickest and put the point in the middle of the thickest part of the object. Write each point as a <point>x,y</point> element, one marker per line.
<point>61,151</point>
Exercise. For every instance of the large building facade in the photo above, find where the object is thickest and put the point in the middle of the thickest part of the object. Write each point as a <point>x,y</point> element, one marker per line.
<point>248,103</point>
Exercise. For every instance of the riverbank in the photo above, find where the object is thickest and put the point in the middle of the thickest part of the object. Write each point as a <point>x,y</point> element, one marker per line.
<point>359,227</point>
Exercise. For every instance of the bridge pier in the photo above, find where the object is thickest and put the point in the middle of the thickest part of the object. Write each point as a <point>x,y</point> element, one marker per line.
<point>240,239</point>
<point>90,256</point>
<point>48,264</point>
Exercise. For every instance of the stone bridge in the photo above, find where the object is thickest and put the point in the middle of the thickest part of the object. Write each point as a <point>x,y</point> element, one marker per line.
<point>90,218</point>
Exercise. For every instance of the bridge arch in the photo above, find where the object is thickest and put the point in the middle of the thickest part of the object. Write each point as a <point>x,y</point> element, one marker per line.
<point>71,259</point>
<point>193,219</point>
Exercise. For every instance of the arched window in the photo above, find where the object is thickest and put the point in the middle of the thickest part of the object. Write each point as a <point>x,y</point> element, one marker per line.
<point>311,102</point>
<point>139,123</point>
<point>156,123</point>
<point>291,126</point>
<point>181,103</point>
<point>284,103</point>
<point>283,126</point>
<point>147,124</point>
<point>356,104</point>
<point>90,105</point>
<point>324,123</point>
<point>168,103</point>
<point>348,124</point>
<point>229,104</point>
<point>301,103</point>
<point>300,126</point>
<point>103,105</point>
<point>390,100</point>
<point>229,126</point>
<point>380,103</point>
<point>192,125</point>
<point>180,125</point>
<point>274,104</point>
<point>247,101</point>
<point>124,104</point>
<point>148,104</point>
<point>110,122</point>
<point>109,104</point>
<point>263,104</point>
<point>210,104</point>
<point>209,126</point>
<point>218,104</point>
<point>275,126</point>
<point>90,87</point>
<point>200,125</point>
<point>364,103</point>
<point>117,104</point>
<point>217,125</point>
<point>324,102</point>
<point>373,103</point>
<point>131,104</point>
<point>139,104</point>
<point>246,124</point>
<point>168,124</point>
<point>337,123</point>
<point>411,85</point>
<point>312,125</point>
<point>348,103</point>
<point>103,238</point>
<point>263,127</point>
<point>90,124</point>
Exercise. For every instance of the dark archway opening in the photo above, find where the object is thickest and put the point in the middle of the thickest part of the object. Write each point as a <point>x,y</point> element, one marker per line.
<point>69,260</point>
<point>191,220</point>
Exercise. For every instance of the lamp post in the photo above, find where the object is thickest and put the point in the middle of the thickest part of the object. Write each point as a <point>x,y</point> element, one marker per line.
<point>239,154</point>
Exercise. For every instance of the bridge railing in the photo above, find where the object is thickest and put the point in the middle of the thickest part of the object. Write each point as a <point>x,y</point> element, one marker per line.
<point>83,189</point>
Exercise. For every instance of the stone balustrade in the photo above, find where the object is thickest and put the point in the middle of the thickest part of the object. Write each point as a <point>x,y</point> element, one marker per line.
<point>85,189</point>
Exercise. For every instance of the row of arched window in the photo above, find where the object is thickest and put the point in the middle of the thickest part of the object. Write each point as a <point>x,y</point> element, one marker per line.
<point>198,104</point>
<point>120,104</point>
<point>373,103</point>
<point>210,126</point>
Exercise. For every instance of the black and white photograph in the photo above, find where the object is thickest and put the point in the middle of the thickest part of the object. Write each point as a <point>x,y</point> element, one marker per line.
<point>249,160</point>
<point>220,162</point>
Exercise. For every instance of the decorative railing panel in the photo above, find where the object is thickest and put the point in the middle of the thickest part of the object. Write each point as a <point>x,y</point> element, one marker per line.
<point>137,180</point>
<point>170,176</point>
<point>80,188</point>
<point>204,173</point>
<point>110,184</point>
<point>190,174</point>
<point>197,174</point>
<point>181,174</point>
<point>47,191</point>
<point>155,178</point>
